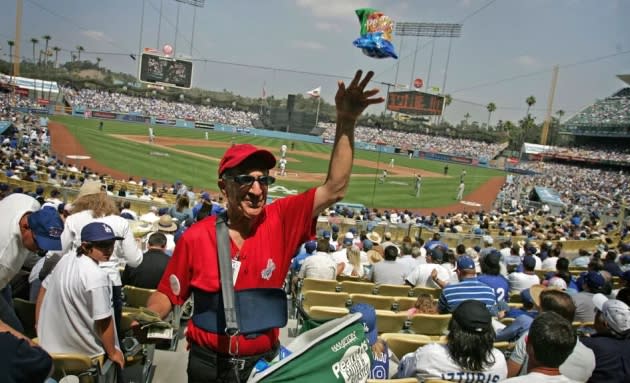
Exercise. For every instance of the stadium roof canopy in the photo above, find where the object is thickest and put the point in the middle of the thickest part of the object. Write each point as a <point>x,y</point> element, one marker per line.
<point>624,77</point>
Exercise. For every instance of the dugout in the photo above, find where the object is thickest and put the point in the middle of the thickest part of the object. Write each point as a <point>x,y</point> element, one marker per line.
<point>548,196</point>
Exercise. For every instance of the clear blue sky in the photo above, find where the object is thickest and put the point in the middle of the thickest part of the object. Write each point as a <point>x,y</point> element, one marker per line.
<point>501,39</point>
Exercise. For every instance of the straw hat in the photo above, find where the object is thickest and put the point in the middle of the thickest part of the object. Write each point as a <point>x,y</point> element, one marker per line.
<point>374,237</point>
<point>89,187</point>
<point>166,224</point>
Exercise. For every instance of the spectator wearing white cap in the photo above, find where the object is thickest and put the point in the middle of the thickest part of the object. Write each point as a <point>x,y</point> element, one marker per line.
<point>611,343</point>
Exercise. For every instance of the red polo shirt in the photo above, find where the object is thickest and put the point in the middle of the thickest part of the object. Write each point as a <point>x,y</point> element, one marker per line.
<point>265,259</point>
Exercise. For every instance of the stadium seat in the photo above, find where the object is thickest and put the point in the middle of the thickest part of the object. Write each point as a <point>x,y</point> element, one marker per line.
<point>430,324</point>
<point>393,290</point>
<point>379,302</point>
<point>136,296</point>
<point>352,287</point>
<point>321,313</point>
<point>434,292</point>
<point>402,344</point>
<point>516,298</point>
<point>404,303</point>
<point>321,298</point>
<point>390,322</point>
<point>319,285</point>
<point>507,321</point>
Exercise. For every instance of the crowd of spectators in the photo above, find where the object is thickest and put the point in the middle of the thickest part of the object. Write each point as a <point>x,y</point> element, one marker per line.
<point>581,189</point>
<point>614,110</point>
<point>436,144</point>
<point>612,154</point>
<point>116,102</point>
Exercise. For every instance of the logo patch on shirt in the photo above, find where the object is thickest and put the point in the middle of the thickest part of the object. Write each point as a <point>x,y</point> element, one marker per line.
<point>266,273</point>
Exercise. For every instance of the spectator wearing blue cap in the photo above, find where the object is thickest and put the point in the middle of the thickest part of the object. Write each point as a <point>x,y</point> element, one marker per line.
<point>74,306</point>
<point>24,230</point>
<point>306,250</point>
<point>593,283</point>
<point>384,362</point>
<point>468,288</point>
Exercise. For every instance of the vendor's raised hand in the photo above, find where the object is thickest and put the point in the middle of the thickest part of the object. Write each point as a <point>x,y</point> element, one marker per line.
<point>352,100</point>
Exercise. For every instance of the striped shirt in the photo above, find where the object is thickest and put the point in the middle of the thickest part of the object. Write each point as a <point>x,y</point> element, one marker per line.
<point>469,288</point>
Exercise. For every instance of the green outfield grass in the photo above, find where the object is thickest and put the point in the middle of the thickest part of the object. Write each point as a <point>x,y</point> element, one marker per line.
<point>140,160</point>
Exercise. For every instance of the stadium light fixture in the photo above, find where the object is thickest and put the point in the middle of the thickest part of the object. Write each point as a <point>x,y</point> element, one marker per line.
<point>432,30</point>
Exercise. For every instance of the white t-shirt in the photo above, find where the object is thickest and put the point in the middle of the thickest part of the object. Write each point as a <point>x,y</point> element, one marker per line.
<point>421,275</point>
<point>434,361</point>
<point>78,293</point>
<point>522,281</point>
<point>126,250</point>
<point>550,263</point>
<point>579,365</point>
<point>318,266</point>
<point>408,262</point>
<point>12,251</point>
<point>538,377</point>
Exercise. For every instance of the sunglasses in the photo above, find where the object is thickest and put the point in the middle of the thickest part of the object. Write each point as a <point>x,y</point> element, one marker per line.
<point>246,179</point>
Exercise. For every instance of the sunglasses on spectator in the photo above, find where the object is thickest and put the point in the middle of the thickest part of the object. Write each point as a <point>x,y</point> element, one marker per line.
<point>246,179</point>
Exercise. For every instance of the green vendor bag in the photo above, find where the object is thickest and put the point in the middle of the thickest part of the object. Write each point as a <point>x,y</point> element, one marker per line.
<point>336,351</point>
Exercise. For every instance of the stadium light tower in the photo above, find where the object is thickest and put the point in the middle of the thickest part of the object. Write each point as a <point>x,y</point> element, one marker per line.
<point>196,4</point>
<point>433,30</point>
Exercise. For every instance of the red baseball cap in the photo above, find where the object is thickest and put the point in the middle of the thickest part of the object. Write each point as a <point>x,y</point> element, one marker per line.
<point>236,154</point>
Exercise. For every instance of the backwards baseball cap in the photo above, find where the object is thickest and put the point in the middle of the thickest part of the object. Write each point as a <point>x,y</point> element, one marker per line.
<point>492,259</point>
<point>473,316</point>
<point>368,317</point>
<point>594,280</point>
<point>437,254</point>
<point>615,313</point>
<point>98,232</point>
<point>326,234</point>
<point>529,262</point>
<point>310,246</point>
<point>238,153</point>
<point>464,262</point>
<point>46,226</point>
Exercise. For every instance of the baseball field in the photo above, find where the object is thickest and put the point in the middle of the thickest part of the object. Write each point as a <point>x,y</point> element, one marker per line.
<point>177,154</point>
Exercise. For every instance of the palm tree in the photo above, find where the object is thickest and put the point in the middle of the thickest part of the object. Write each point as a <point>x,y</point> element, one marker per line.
<point>79,50</point>
<point>98,61</point>
<point>560,114</point>
<point>491,108</point>
<point>34,41</point>
<point>56,49</point>
<point>448,99</point>
<point>530,101</point>
<point>47,39</point>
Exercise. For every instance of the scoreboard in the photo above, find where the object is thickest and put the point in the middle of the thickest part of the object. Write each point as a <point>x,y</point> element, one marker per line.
<point>168,71</point>
<point>415,103</point>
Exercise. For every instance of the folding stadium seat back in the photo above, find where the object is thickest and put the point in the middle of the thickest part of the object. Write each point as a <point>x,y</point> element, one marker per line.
<point>379,302</point>
<point>507,321</point>
<point>321,298</point>
<point>393,290</point>
<point>390,322</point>
<point>404,303</point>
<point>402,344</point>
<point>434,292</point>
<point>323,313</point>
<point>136,296</point>
<point>430,324</point>
<point>319,285</point>
<point>352,287</point>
